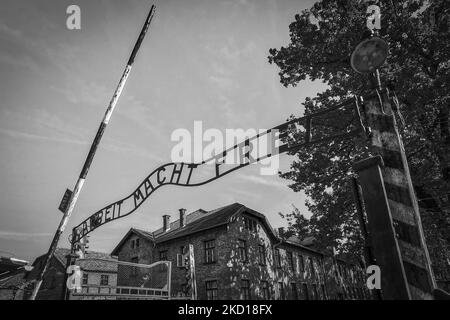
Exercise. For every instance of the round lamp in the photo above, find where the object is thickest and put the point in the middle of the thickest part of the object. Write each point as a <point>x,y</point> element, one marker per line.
<point>369,55</point>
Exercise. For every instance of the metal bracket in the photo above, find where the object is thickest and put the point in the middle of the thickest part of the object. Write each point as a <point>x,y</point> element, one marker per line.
<point>360,110</point>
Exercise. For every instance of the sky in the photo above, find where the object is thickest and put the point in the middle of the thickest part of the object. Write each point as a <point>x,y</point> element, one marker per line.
<point>201,60</point>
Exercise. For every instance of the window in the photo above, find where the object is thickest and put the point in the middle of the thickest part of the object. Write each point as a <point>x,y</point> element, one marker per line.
<point>132,244</point>
<point>301,262</point>
<point>311,267</point>
<point>134,270</point>
<point>85,278</point>
<point>242,250</point>
<point>290,260</point>
<point>184,288</point>
<point>250,224</point>
<point>245,290</point>
<point>262,255</point>
<point>53,280</point>
<point>344,293</point>
<point>281,290</point>
<point>315,292</point>
<point>211,290</point>
<point>104,280</point>
<point>210,248</point>
<point>265,290</point>
<point>294,294</point>
<point>319,266</point>
<point>305,291</point>
<point>276,258</point>
<point>361,293</point>
<point>137,243</point>
<point>163,255</point>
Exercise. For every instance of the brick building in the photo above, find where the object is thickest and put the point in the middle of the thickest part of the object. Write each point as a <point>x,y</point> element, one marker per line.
<point>238,255</point>
<point>99,274</point>
<point>12,273</point>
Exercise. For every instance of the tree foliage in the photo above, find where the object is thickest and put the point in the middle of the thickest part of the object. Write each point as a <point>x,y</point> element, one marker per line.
<point>322,39</point>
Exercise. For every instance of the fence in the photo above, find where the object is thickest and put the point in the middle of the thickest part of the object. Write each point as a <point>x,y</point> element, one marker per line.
<point>103,279</point>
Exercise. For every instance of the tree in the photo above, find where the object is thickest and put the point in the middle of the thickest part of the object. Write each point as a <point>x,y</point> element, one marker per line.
<point>298,224</point>
<point>322,39</point>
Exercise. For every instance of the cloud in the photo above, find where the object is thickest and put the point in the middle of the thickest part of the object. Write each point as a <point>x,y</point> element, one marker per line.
<point>21,236</point>
<point>21,51</point>
<point>246,194</point>
<point>32,136</point>
<point>130,150</point>
<point>10,33</point>
<point>108,145</point>
<point>83,92</point>
<point>96,95</point>
<point>25,62</point>
<point>263,180</point>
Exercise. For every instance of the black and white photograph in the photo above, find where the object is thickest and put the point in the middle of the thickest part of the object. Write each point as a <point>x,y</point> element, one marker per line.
<point>247,151</point>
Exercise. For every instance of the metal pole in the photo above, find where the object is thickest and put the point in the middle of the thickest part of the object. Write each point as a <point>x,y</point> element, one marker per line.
<point>90,156</point>
<point>368,254</point>
<point>169,280</point>
<point>192,271</point>
<point>362,220</point>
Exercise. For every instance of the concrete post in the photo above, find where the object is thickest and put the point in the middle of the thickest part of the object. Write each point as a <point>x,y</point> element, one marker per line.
<point>391,205</point>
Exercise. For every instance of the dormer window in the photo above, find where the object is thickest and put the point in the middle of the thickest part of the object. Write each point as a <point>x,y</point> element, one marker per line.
<point>250,224</point>
<point>135,243</point>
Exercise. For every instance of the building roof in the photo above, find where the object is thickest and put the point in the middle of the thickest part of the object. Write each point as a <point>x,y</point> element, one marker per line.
<point>191,217</point>
<point>195,221</point>
<point>93,261</point>
<point>201,220</point>
<point>294,240</point>
<point>12,272</point>
<point>10,264</point>
<point>140,233</point>
<point>98,262</point>
<point>308,241</point>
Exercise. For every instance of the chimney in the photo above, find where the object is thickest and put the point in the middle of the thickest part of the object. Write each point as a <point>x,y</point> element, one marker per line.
<point>166,222</point>
<point>182,217</point>
<point>281,232</point>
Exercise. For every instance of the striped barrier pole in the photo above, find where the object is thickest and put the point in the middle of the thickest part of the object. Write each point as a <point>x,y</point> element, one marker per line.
<point>81,179</point>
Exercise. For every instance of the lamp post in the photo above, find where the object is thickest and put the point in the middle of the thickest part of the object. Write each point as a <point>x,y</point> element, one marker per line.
<point>393,214</point>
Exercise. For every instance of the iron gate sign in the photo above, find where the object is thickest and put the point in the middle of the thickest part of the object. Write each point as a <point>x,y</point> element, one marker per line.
<point>289,136</point>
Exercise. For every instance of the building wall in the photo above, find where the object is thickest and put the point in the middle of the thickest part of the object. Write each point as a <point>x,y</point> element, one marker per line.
<point>237,270</point>
<point>94,282</point>
<point>52,284</point>
<point>12,288</point>
<point>354,280</point>
<point>203,271</point>
<point>229,270</point>
<point>144,252</point>
<point>270,272</point>
<point>308,276</point>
